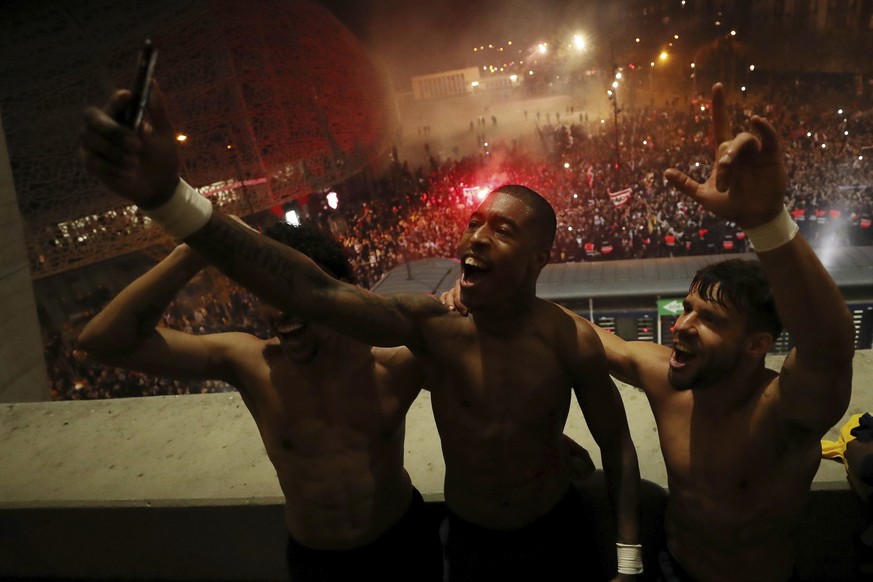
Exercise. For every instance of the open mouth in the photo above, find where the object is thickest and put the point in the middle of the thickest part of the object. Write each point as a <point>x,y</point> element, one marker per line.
<point>473,270</point>
<point>682,355</point>
<point>290,330</point>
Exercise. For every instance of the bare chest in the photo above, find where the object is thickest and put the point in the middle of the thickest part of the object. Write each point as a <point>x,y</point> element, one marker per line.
<point>734,470</point>
<point>506,380</point>
<point>316,413</point>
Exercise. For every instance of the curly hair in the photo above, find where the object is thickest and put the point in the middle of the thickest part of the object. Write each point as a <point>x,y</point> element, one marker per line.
<point>317,244</point>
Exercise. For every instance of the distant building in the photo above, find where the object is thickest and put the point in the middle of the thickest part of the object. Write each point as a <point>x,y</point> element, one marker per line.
<point>445,83</point>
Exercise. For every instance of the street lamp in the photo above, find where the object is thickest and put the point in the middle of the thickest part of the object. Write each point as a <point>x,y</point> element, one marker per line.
<point>616,75</point>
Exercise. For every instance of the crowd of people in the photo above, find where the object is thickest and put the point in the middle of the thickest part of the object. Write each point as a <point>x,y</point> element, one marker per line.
<point>619,207</point>
<point>609,195</point>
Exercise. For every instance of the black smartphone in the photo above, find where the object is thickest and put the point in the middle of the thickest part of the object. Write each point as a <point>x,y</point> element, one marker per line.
<point>132,115</point>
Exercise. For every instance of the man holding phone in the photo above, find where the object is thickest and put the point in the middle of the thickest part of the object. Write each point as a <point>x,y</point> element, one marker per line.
<point>501,384</point>
<point>132,115</point>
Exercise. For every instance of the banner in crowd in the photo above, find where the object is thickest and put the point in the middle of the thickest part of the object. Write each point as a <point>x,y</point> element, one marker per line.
<point>621,197</point>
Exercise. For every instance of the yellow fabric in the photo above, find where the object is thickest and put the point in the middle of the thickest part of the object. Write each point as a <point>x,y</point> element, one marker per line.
<point>835,449</point>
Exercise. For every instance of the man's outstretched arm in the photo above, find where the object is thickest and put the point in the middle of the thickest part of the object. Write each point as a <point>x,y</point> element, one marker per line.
<point>126,333</point>
<point>748,185</point>
<point>144,169</point>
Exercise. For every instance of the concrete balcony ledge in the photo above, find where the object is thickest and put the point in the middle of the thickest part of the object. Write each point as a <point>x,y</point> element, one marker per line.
<point>179,487</point>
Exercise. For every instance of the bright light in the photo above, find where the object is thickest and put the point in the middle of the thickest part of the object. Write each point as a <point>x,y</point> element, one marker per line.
<point>733,33</point>
<point>663,56</point>
<point>570,228</point>
<point>475,83</point>
<point>751,67</point>
<point>846,132</point>
<point>637,40</point>
<point>615,84</point>
<point>292,218</point>
<point>861,157</point>
<point>808,134</point>
<point>543,48</point>
<point>579,42</point>
<point>566,165</point>
<point>645,142</point>
<point>693,65</point>
<point>181,137</point>
<point>332,200</point>
<point>743,88</point>
<point>513,78</point>
<point>675,37</point>
<point>824,146</point>
<point>618,75</point>
<point>839,111</point>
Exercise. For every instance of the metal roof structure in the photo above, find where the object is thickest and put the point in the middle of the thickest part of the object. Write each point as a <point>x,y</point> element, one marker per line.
<point>568,283</point>
<point>278,100</point>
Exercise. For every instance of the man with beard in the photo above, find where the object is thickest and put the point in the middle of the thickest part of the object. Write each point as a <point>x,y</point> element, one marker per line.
<point>500,381</point>
<point>741,443</point>
<point>330,411</point>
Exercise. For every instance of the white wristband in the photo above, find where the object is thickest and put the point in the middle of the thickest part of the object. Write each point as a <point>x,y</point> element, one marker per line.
<point>184,213</point>
<point>630,558</point>
<point>774,234</point>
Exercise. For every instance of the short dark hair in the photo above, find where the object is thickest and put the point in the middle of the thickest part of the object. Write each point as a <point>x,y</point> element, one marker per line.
<point>544,215</point>
<point>317,244</point>
<point>740,284</point>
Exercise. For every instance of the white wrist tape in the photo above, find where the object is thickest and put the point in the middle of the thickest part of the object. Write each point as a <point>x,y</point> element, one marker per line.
<point>774,234</point>
<point>630,558</point>
<point>184,213</point>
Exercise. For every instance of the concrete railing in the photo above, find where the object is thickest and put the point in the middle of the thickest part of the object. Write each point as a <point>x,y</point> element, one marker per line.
<point>179,487</point>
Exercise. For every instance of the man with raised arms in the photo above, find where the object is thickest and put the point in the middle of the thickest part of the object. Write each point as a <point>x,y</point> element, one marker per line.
<point>500,381</point>
<point>330,411</point>
<point>741,443</point>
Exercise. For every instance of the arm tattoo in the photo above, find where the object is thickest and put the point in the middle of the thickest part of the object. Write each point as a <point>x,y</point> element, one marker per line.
<point>259,263</point>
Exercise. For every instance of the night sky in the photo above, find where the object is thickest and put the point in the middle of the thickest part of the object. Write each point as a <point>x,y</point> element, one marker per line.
<point>422,37</point>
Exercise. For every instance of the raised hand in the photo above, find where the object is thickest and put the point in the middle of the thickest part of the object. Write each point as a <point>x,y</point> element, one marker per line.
<point>142,167</point>
<point>749,180</point>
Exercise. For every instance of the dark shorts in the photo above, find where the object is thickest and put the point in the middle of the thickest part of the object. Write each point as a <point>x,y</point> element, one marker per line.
<point>558,544</point>
<point>408,551</point>
<point>669,570</point>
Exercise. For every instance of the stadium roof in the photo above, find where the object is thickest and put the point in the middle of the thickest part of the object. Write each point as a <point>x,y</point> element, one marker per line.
<point>851,268</point>
<point>277,100</point>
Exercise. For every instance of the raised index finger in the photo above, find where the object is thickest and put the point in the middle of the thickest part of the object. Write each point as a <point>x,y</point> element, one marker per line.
<point>720,124</point>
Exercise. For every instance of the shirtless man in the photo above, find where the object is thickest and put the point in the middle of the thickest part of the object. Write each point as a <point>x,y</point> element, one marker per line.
<point>330,410</point>
<point>500,381</point>
<point>741,443</point>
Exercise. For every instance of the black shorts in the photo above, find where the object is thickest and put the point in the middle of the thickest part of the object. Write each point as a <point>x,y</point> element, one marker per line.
<point>669,570</point>
<point>408,551</point>
<point>556,545</point>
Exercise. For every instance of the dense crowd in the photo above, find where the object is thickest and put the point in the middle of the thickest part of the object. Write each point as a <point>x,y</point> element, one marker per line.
<point>609,196</point>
